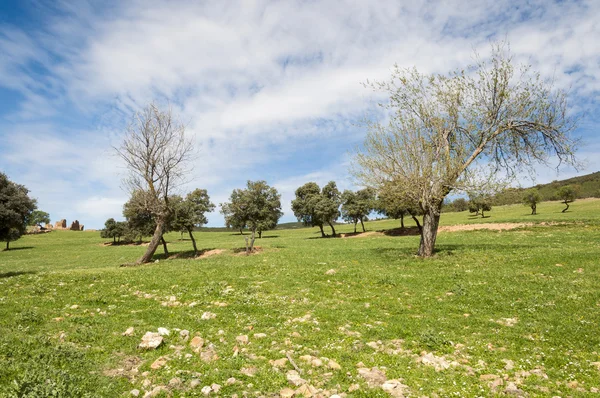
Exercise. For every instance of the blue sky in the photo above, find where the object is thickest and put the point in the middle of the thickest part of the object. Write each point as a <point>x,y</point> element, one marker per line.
<point>267,89</point>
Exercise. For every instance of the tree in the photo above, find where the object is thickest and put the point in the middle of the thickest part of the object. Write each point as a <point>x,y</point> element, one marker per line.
<point>479,203</point>
<point>328,207</point>
<point>232,218</point>
<point>531,198</point>
<point>356,206</point>
<point>190,213</point>
<point>393,204</point>
<point>38,218</point>
<point>156,152</point>
<point>16,208</point>
<point>305,204</point>
<point>258,206</point>
<point>140,221</point>
<point>459,205</point>
<point>566,194</point>
<point>443,129</point>
<point>113,229</point>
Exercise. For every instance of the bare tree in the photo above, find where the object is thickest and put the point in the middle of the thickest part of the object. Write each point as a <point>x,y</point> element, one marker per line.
<point>442,128</point>
<point>156,152</point>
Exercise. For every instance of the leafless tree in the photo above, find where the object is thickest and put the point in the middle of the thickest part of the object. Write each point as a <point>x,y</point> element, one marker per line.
<point>442,129</point>
<point>157,154</point>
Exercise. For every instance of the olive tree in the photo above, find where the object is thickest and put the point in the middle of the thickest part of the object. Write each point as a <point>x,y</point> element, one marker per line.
<point>356,206</point>
<point>316,207</point>
<point>156,153</point>
<point>531,198</point>
<point>113,229</point>
<point>258,207</point>
<point>190,213</point>
<point>479,203</point>
<point>392,203</point>
<point>566,194</point>
<point>494,116</point>
<point>16,208</point>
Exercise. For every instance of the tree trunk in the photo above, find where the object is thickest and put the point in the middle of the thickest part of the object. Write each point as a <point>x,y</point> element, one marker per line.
<point>259,234</point>
<point>431,220</point>
<point>250,249</point>
<point>363,225</point>
<point>241,231</point>
<point>482,215</point>
<point>332,229</point>
<point>322,232</point>
<point>356,222</point>
<point>416,220</point>
<point>566,208</point>
<point>7,242</point>
<point>114,240</point>
<point>154,242</point>
<point>533,210</point>
<point>402,221</point>
<point>193,242</point>
<point>164,243</point>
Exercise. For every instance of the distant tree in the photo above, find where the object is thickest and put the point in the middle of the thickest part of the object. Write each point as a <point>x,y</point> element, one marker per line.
<point>328,207</point>
<point>38,218</point>
<point>140,221</point>
<point>531,198</point>
<point>567,194</point>
<point>460,204</point>
<point>392,203</point>
<point>191,212</point>
<point>442,129</point>
<point>259,206</point>
<point>156,152</point>
<point>305,206</point>
<point>233,218</point>
<point>113,229</point>
<point>16,208</point>
<point>356,206</point>
<point>479,203</point>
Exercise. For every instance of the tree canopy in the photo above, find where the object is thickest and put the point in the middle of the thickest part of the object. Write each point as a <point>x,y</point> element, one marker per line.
<point>191,212</point>
<point>451,132</point>
<point>566,194</point>
<point>39,217</point>
<point>16,208</point>
<point>113,229</point>
<point>531,198</point>
<point>356,206</point>
<point>316,207</point>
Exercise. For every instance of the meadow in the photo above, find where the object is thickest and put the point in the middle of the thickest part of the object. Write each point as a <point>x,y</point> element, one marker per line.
<point>493,312</point>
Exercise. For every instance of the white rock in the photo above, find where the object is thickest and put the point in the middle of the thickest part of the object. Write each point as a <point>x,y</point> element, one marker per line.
<point>135,392</point>
<point>331,272</point>
<point>184,334</point>
<point>206,390</point>
<point>242,339</point>
<point>259,335</point>
<point>208,315</point>
<point>215,387</point>
<point>129,331</point>
<point>164,331</point>
<point>151,341</point>
<point>194,383</point>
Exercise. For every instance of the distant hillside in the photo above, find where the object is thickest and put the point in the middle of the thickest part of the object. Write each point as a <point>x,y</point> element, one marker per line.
<point>587,186</point>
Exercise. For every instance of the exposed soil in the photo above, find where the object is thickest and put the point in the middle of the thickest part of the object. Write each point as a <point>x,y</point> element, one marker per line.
<point>489,226</point>
<point>361,234</point>
<point>127,368</point>
<point>209,253</point>
<point>242,250</point>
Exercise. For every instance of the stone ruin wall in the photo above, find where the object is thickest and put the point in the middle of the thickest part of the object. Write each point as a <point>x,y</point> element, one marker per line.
<point>62,224</point>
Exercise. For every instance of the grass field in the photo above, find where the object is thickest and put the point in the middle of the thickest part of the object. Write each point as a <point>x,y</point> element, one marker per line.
<point>507,312</point>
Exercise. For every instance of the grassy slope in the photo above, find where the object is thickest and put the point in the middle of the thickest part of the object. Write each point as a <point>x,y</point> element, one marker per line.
<point>380,290</point>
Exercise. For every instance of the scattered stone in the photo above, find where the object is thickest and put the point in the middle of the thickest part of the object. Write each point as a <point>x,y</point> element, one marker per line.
<point>259,335</point>
<point>333,365</point>
<point>175,382</point>
<point>206,390</point>
<point>184,334</point>
<point>242,339</point>
<point>58,319</point>
<point>230,381</point>
<point>353,387</point>
<point>306,358</point>
<point>209,354</point>
<point>74,307</point>
<point>164,331</point>
<point>374,376</point>
<point>159,363</point>
<point>215,387</point>
<point>194,383</point>
<point>294,378</point>
<point>197,343</point>
<point>279,363</point>
<point>151,341</point>
<point>330,272</point>
<point>508,321</point>
<point>488,377</point>
<point>208,315</point>
<point>156,391</point>
<point>128,332</point>
<point>395,388</point>
<point>510,365</point>
<point>146,383</point>
<point>512,389</point>
<point>296,334</point>
<point>306,390</point>
<point>287,393</point>
<point>316,363</point>
<point>135,392</point>
<point>249,371</point>
<point>439,363</point>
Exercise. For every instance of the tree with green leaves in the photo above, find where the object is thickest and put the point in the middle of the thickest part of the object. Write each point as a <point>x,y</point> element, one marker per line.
<point>531,198</point>
<point>140,221</point>
<point>567,194</point>
<point>480,203</point>
<point>443,130</point>
<point>191,212</point>
<point>305,204</point>
<point>233,219</point>
<point>258,207</point>
<point>39,218</point>
<point>393,204</point>
<point>356,206</point>
<point>328,207</point>
<point>113,229</point>
<point>16,208</point>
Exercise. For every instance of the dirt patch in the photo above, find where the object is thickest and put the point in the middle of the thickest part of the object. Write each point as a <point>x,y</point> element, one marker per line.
<point>209,253</point>
<point>127,368</point>
<point>241,251</point>
<point>361,234</point>
<point>488,226</point>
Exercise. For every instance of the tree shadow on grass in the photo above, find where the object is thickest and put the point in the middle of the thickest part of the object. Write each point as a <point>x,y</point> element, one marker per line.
<point>410,231</point>
<point>10,274</point>
<point>269,237</point>
<point>18,248</point>
<point>181,255</point>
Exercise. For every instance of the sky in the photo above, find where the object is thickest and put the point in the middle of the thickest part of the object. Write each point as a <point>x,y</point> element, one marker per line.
<point>269,90</point>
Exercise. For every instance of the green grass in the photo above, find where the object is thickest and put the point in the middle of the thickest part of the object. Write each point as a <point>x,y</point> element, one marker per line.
<point>453,305</point>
